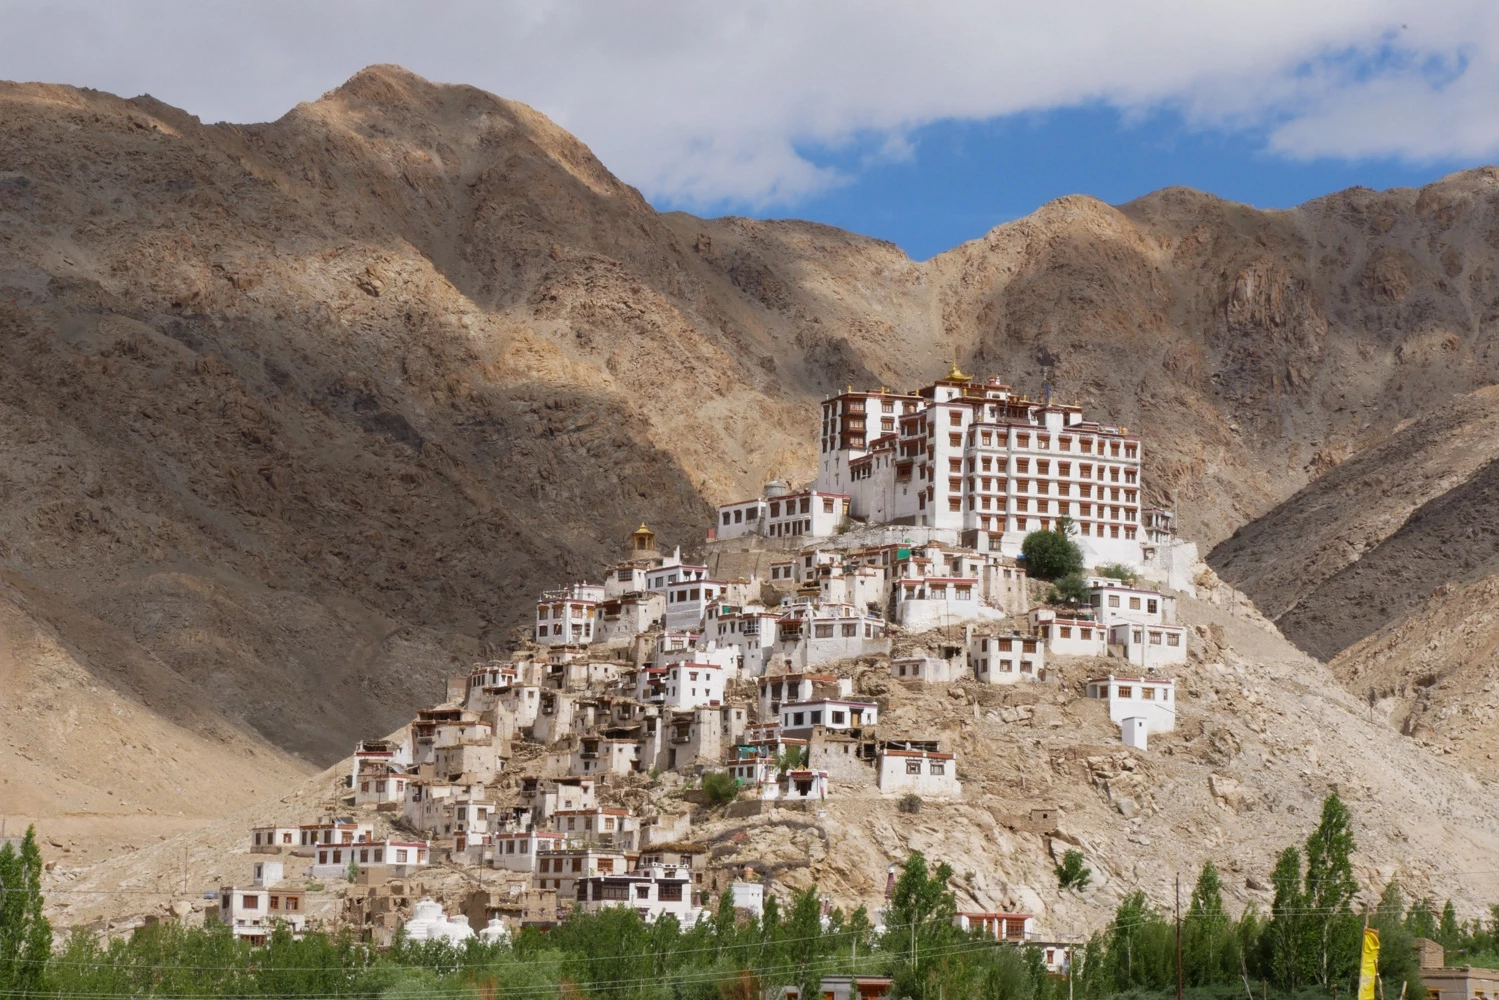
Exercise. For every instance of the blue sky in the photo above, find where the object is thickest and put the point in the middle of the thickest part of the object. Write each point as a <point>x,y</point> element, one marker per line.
<point>961,179</point>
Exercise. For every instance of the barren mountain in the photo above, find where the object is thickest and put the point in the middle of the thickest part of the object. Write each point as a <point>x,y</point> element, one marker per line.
<point>1387,567</point>
<point>305,412</point>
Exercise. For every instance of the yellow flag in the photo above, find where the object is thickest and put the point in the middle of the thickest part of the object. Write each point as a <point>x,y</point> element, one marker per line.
<point>1368,966</point>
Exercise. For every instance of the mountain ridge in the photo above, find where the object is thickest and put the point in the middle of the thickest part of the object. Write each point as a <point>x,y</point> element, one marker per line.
<point>323,402</point>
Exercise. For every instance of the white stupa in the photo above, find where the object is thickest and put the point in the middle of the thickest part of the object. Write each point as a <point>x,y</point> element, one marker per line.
<point>429,923</point>
<point>495,933</point>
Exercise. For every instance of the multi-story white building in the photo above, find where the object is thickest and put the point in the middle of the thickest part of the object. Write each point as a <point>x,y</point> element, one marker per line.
<point>566,616</point>
<point>809,513</point>
<point>751,634</point>
<point>973,457</point>
<point>1005,658</point>
<point>651,890</point>
<point>1150,698</point>
<point>810,633</point>
<point>253,911</point>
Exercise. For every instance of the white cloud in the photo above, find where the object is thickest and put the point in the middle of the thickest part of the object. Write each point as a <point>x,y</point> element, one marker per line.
<point>708,103</point>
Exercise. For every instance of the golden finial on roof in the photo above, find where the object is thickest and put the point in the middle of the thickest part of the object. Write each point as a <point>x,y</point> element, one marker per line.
<point>956,375</point>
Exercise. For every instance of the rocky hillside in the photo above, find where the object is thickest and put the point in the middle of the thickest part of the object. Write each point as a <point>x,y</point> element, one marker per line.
<point>306,411</point>
<point>1263,733</point>
<point>1387,567</point>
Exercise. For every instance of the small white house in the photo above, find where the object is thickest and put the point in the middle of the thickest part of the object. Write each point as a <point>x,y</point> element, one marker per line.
<point>516,852</point>
<point>333,861</point>
<point>830,714</point>
<point>749,896</point>
<point>336,832</point>
<point>751,634</point>
<point>687,603</point>
<point>781,689</point>
<point>598,825</point>
<point>597,755</point>
<point>927,773</point>
<point>743,518</point>
<point>1113,601</point>
<point>273,839</point>
<point>1135,732</point>
<point>691,684</point>
<point>926,669</point>
<point>935,602</point>
<point>1015,928</point>
<point>803,784</point>
<point>567,616</point>
<point>1152,699</point>
<point>379,784</point>
<point>810,513</point>
<point>1068,635</point>
<point>1149,646</point>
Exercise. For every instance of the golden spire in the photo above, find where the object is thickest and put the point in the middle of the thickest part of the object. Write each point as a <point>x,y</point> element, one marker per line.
<point>956,375</point>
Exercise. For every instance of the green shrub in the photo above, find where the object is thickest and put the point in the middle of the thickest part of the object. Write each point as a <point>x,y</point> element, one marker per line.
<point>1072,873</point>
<point>1117,571</point>
<point>720,787</point>
<point>909,803</point>
<point>1051,555</point>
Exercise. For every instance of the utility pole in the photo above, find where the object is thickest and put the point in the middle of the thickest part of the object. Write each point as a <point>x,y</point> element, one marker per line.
<point>1178,936</point>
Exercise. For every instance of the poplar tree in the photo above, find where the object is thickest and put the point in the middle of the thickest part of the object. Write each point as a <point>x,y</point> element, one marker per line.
<point>1207,940</point>
<point>919,918</point>
<point>1285,934</point>
<point>25,934</point>
<point>1330,888</point>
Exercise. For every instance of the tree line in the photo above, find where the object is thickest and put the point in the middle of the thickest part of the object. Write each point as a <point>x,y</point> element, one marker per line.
<point>1306,944</point>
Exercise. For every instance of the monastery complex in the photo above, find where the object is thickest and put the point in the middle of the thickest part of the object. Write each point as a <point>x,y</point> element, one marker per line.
<point>739,666</point>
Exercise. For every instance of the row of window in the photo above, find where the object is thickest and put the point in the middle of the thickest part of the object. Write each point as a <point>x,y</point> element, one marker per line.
<point>1043,468</point>
<point>564,611</point>
<point>373,855</point>
<point>1027,667</point>
<point>251,901</point>
<point>579,631</point>
<point>997,523</point>
<point>935,767</point>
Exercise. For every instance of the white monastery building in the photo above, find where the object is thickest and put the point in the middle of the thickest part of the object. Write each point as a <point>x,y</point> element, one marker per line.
<point>964,455</point>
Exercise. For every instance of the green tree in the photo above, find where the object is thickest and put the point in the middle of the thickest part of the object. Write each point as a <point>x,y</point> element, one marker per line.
<point>1141,947</point>
<point>1209,952</point>
<point>806,949</point>
<point>1330,888</point>
<point>1070,589</point>
<point>1286,950</point>
<point>1072,873</point>
<point>1420,920</point>
<point>918,919</point>
<point>25,934</point>
<point>1051,555</point>
<point>1449,934</point>
<point>1397,957</point>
